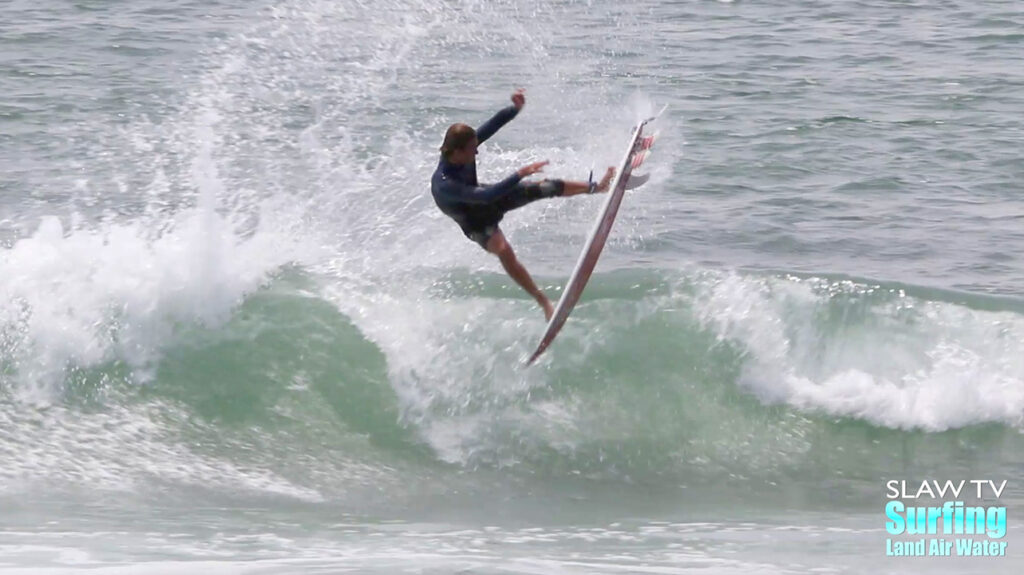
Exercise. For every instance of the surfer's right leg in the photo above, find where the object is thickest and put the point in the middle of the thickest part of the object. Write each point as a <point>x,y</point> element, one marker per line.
<point>499,246</point>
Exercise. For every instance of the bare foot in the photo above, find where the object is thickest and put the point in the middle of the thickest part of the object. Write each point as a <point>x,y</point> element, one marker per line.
<point>549,310</point>
<point>606,181</point>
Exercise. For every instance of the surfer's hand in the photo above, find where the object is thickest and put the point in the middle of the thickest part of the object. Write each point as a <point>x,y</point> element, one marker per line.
<point>606,181</point>
<point>519,98</point>
<point>531,169</point>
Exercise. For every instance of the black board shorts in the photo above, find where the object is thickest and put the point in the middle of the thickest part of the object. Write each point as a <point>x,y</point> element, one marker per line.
<point>525,193</point>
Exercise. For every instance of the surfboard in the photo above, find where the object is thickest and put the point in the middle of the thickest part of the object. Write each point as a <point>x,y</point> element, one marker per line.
<point>636,152</point>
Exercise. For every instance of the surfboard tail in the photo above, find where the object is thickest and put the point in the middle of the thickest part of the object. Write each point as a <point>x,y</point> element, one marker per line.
<point>638,160</point>
<point>647,142</point>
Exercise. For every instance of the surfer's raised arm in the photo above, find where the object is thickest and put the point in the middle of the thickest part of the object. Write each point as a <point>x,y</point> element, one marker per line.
<point>504,116</point>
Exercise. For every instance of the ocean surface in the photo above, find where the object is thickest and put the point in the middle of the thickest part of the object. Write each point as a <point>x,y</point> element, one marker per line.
<point>237,336</point>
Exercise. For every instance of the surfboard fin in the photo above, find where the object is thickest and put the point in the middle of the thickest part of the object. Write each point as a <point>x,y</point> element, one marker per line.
<point>637,180</point>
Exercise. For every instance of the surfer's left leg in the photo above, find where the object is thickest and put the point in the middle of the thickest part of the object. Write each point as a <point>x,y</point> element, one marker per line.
<point>573,188</point>
<point>529,192</point>
<point>499,246</point>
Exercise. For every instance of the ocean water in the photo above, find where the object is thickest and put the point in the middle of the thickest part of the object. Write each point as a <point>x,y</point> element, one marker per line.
<point>236,335</point>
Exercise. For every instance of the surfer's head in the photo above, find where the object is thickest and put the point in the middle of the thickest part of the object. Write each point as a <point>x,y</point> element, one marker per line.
<point>459,146</point>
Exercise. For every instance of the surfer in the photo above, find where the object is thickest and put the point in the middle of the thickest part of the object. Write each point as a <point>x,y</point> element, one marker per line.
<point>479,208</point>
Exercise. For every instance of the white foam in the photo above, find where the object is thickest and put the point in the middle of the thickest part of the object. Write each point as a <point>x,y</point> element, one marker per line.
<point>81,297</point>
<point>896,360</point>
<point>116,449</point>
